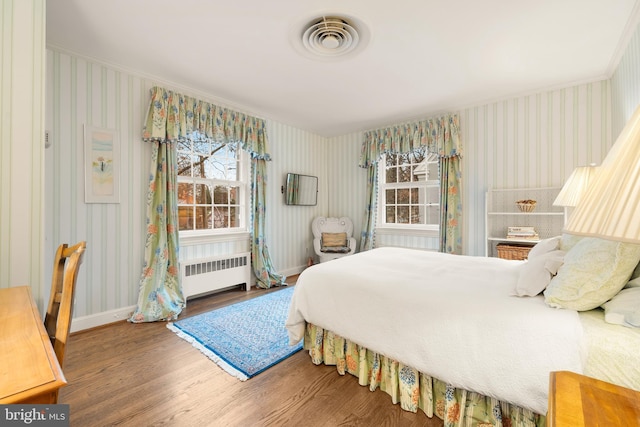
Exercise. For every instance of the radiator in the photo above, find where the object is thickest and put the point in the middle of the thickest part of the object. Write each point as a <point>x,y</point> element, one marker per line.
<point>201,276</point>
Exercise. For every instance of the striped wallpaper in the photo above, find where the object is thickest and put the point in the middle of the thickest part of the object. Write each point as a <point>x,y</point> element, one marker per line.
<point>532,140</point>
<point>529,141</point>
<point>288,228</point>
<point>347,181</point>
<point>625,85</point>
<point>22,86</point>
<point>82,92</point>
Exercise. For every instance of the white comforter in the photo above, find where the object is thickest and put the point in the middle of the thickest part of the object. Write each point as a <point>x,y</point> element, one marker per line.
<point>449,316</point>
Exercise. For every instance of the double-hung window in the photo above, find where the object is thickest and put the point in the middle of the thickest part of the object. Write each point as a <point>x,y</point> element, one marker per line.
<point>212,187</point>
<point>409,191</point>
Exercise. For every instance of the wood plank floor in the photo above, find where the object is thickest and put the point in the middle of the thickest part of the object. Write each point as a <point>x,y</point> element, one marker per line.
<point>144,375</point>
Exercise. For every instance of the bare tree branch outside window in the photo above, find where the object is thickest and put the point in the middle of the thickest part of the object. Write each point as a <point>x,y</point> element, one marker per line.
<point>209,190</point>
<point>411,188</point>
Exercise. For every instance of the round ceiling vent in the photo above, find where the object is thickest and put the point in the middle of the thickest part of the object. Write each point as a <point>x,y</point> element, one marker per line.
<point>330,37</point>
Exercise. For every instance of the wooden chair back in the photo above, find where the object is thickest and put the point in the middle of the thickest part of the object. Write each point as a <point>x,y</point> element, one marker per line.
<point>57,321</point>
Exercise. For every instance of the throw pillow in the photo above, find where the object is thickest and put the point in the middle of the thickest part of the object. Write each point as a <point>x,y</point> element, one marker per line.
<point>544,246</point>
<point>568,241</point>
<point>535,274</point>
<point>594,270</point>
<point>334,239</point>
<point>335,249</point>
<point>334,243</point>
<point>624,308</point>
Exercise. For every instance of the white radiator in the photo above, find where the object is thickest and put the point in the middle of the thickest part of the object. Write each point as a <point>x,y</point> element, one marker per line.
<point>201,276</point>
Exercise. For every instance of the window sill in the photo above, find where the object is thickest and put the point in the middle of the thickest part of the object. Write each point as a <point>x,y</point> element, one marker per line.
<point>196,238</point>
<point>408,231</point>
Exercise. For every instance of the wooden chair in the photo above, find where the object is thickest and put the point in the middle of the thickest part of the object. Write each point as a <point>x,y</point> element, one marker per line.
<point>57,321</point>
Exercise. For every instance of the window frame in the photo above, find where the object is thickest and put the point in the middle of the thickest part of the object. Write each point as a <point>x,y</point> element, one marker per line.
<point>382,227</point>
<point>242,182</point>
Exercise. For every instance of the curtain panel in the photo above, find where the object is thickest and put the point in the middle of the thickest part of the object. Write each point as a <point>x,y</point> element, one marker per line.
<point>369,221</point>
<point>439,135</point>
<point>173,117</point>
<point>451,200</point>
<point>160,294</point>
<point>263,268</point>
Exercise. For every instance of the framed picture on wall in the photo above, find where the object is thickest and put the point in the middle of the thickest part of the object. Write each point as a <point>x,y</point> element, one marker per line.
<point>101,165</point>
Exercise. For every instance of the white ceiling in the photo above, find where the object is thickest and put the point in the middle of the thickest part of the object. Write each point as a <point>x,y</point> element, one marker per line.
<point>424,57</point>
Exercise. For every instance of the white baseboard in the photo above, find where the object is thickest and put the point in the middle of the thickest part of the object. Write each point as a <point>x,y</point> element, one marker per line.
<point>293,271</point>
<point>100,319</point>
<point>119,314</point>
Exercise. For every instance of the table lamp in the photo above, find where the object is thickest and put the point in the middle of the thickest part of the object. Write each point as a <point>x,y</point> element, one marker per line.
<point>610,208</point>
<point>575,187</point>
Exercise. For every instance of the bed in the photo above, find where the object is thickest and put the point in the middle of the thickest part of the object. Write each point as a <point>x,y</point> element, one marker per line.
<point>448,335</point>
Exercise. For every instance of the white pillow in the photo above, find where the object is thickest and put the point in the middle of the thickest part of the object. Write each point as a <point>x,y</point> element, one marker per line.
<point>535,274</point>
<point>624,308</point>
<point>554,263</point>
<point>544,246</point>
<point>635,277</point>
<point>594,270</point>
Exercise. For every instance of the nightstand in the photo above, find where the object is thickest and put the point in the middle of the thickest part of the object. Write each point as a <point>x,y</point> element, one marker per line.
<point>576,400</point>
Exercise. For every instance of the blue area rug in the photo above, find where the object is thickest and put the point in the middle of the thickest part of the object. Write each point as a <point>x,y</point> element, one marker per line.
<point>245,338</point>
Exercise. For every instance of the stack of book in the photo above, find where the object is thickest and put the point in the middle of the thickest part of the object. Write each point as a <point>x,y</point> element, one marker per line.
<point>522,233</point>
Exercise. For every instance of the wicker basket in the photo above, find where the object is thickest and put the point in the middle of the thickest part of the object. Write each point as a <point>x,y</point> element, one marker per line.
<point>518,252</point>
<point>526,206</point>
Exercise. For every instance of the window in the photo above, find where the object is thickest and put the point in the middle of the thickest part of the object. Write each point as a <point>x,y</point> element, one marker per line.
<point>212,186</point>
<point>409,191</point>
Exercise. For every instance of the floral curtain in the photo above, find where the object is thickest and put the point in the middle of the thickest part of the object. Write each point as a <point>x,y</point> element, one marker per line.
<point>451,213</point>
<point>160,296</point>
<point>440,135</point>
<point>174,117</point>
<point>264,270</point>
<point>369,222</point>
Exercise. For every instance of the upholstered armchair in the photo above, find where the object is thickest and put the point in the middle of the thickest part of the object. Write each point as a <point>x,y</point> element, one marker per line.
<point>332,238</point>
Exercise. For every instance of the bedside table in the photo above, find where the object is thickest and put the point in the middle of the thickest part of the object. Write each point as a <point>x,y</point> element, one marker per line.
<point>577,400</point>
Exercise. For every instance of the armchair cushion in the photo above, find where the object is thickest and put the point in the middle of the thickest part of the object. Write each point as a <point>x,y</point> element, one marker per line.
<point>335,249</point>
<point>332,237</point>
<point>334,243</point>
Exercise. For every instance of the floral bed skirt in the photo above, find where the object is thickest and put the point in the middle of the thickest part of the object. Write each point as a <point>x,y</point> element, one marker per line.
<point>414,390</point>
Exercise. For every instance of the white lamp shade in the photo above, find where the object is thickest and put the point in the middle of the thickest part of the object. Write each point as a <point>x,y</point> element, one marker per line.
<point>576,186</point>
<point>611,207</point>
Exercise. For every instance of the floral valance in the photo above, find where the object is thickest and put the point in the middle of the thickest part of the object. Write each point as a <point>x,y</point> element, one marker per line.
<point>173,117</point>
<point>438,135</point>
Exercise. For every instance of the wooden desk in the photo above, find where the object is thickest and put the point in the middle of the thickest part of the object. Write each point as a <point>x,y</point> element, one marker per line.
<point>576,400</point>
<point>29,369</point>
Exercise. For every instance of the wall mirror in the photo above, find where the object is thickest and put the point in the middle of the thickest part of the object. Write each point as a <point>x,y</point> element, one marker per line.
<point>300,190</point>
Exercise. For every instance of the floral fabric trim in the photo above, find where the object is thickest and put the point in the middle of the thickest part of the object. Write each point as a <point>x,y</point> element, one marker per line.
<point>172,116</point>
<point>440,135</point>
<point>412,389</point>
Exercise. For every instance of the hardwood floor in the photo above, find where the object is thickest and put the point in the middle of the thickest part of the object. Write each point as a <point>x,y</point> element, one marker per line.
<point>144,375</point>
